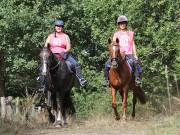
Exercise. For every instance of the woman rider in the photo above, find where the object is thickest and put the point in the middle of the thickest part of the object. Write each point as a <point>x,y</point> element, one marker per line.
<point>59,42</point>
<point>127,47</point>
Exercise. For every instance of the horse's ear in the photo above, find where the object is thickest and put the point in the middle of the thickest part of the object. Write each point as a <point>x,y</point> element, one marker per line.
<point>117,40</point>
<point>109,40</point>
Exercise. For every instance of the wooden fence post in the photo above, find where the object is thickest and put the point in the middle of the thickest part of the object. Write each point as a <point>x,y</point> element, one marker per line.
<point>2,74</point>
<point>9,110</point>
<point>168,91</point>
<point>3,106</point>
<point>177,88</point>
<point>17,106</point>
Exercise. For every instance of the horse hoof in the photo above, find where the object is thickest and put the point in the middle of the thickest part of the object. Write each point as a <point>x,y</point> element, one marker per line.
<point>58,124</point>
<point>65,125</point>
<point>132,118</point>
<point>118,117</point>
<point>124,119</point>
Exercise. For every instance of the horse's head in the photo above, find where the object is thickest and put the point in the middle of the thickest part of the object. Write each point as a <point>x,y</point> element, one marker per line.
<point>114,52</point>
<point>44,56</point>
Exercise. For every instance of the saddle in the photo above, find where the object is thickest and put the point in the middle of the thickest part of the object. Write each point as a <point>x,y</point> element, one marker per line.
<point>61,58</point>
<point>131,64</point>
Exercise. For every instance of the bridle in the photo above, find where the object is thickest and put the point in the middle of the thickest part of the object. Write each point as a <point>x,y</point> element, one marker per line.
<point>115,59</point>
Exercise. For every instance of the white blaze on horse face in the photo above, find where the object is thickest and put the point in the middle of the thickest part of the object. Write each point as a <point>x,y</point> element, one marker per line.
<point>114,51</point>
<point>44,66</point>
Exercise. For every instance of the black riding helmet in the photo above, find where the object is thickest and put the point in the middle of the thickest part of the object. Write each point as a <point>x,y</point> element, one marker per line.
<point>59,22</point>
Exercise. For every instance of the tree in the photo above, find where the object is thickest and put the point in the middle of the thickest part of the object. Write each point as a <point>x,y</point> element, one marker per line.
<point>24,25</point>
<point>2,75</point>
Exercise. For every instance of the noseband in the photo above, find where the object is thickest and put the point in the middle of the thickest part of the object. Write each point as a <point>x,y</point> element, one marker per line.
<point>115,60</point>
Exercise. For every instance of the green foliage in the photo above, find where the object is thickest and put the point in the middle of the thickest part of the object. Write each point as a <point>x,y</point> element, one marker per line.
<point>92,104</point>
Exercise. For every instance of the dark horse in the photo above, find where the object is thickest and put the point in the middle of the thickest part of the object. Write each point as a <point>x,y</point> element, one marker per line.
<point>59,82</point>
<point>120,78</point>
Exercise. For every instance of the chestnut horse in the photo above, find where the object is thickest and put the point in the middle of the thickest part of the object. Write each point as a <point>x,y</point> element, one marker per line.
<point>120,79</point>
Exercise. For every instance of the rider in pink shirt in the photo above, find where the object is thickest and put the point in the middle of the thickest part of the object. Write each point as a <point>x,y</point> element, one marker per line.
<point>127,47</point>
<point>126,41</point>
<point>59,43</point>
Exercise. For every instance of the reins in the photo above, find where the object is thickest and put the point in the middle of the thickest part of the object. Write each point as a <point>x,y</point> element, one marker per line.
<point>55,66</point>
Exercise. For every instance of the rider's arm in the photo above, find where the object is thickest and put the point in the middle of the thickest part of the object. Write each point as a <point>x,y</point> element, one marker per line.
<point>68,47</point>
<point>134,47</point>
<point>47,41</point>
<point>134,50</point>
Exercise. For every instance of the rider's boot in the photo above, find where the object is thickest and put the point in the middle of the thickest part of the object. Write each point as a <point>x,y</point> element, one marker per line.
<point>42,85</point>
<point>106,73</point>
<point>80,77</point>
<point>137,75</point>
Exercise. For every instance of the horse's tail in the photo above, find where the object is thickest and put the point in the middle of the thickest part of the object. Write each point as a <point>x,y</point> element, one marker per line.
<point>68,104</point>
<point>140,95</point>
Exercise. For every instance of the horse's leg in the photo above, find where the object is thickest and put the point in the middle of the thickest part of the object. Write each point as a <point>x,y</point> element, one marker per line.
<point>59,113</point>
<point>50,106</point>
<point>125,95</point>
<point>64,112</point>
<point>49,95</point>
<point>121,94</point>
<point>68,106</point>
<point>134,104</point>
<point>65,119</point>
<point>114,105</point>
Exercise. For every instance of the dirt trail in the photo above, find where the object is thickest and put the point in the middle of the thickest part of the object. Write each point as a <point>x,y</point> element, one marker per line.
<point>104,126</point>
<point>77,132</point>
<point>99,127</point>
<point>156,125</point>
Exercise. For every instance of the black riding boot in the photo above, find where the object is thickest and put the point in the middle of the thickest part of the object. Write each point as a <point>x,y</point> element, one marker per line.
<point>106,74</point>
<point>42,85</point>
<point>80,77</point>
<point>137,74</point>
<point>41,80</point>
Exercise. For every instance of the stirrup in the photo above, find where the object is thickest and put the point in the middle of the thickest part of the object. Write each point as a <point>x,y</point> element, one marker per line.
<point>38,78</point>
<point>83,82</point>
<point>138,82</point>
<point>42,89</point>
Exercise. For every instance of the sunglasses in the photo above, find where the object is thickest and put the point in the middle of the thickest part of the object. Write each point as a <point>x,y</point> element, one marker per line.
<point>59,26</point>
<point>122,23</point>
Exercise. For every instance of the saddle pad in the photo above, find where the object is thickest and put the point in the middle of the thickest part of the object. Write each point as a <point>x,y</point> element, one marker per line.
<point>69,65</point>
<point>60,58</point>
<point>131,66</point>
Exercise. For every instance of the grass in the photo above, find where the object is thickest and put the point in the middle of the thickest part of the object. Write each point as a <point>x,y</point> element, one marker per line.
<point>169,125</point>
<point>148,121</point>
<point>7,128</point>
<point>159,125</point>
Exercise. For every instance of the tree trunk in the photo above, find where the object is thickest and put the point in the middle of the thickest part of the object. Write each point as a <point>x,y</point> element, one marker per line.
<point>2,75</point>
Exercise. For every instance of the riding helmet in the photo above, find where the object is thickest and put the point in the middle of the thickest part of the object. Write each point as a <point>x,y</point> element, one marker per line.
<point>59,23</point>
<point>122,18</point>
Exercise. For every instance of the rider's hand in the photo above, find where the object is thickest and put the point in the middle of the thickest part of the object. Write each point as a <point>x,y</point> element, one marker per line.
<point>136,57</point>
